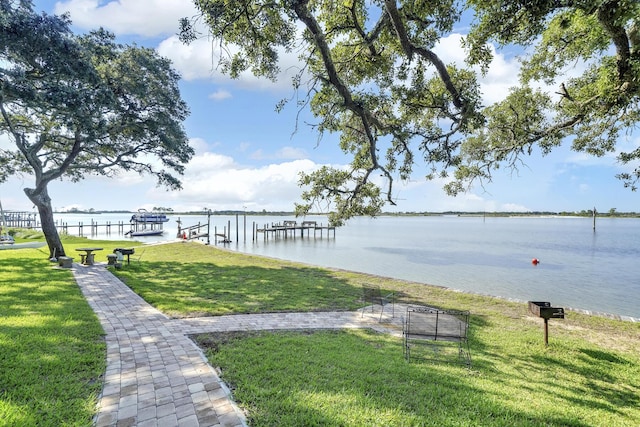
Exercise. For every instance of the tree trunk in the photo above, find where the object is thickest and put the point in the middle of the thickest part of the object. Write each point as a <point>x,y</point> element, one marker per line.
<point>43,202</point>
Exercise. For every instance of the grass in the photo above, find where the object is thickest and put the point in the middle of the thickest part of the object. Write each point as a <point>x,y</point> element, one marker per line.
<point>202,281</point>
<point>588,376</point>
<point>359,378</point>
<point>52,353</point>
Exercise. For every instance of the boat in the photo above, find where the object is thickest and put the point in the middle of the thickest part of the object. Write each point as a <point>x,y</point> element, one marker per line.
<point>148,217</point>
<point>147,232</point>
<point>6,239</point>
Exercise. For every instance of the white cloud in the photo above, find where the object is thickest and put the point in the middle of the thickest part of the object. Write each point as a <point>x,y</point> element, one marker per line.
<point>194,61</point>
<point>291,153</point>
<point>284,153</point>
<point>147,18</point>
<point>199,145</point>
<point>200,59</point>
<point>207,163</point>
<point>428,196</point>
<point>502,73</point>
<point>218,182</point>
<point>220,95</point>
<point>449,49</point>
<point>6,143</point>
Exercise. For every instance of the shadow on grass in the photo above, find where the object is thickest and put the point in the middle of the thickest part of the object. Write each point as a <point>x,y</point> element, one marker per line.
<point>353,378</point>
<point>52,353</point>
<point>36,289</point>
<point>600,386</point>
<point>360,378</point>
<point>189,289</point>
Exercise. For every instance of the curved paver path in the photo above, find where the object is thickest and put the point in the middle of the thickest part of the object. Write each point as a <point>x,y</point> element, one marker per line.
<point>156,375</point>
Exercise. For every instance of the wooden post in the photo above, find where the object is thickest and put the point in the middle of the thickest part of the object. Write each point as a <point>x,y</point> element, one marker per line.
<point>546,332</point>
<point>209,227</point>
<point>594,218</point>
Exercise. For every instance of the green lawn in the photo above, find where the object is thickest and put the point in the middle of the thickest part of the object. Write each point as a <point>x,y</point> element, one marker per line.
<point>588,376</point>
<point>360,378</point>
<point>189,279</point>
<point>53,355</point>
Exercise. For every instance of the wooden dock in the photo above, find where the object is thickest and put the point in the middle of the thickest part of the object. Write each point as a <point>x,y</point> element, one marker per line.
<point>219,234</point>
<point>21,219</point>
<point>93,228</point>
<point>31,220</point>
<point>291,229</point>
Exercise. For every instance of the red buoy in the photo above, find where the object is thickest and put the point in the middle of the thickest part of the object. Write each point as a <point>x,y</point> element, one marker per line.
<point>535,261</point>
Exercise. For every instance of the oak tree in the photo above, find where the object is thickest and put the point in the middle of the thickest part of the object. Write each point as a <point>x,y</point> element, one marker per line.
<point>81,105</point>
<point>580,84</point>
<point>369,72</point>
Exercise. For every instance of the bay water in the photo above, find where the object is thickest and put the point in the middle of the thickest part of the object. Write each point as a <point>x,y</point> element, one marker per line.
<point>581,268</point>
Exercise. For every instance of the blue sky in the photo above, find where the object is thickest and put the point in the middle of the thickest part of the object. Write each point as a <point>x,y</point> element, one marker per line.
<point>248,156</point>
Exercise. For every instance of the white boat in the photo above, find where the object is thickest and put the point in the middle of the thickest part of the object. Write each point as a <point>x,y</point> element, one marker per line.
<point>5,239</point>
<point>147,232</point>
<point>148,217</point>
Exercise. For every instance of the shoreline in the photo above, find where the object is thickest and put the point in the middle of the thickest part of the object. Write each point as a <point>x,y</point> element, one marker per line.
<point>611,316</point>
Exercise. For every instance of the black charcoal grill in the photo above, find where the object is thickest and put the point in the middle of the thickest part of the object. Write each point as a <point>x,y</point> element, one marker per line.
<point>125,251</point>
<point>544,310</point>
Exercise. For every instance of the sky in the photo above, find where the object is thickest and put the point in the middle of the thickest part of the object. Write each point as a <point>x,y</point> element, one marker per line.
<point>248,156</point>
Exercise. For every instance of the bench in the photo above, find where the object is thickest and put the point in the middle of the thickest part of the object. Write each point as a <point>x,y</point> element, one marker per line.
<point>442,330</point>
<point>372,296</point>
<point>65,261</point>
<point>112,259</point>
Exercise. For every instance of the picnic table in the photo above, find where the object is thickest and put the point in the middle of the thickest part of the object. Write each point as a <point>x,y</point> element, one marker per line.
<point>88,257</point>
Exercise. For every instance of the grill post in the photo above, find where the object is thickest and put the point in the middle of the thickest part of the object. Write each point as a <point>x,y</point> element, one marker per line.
<point>544,310</point>
<point>546,332</point>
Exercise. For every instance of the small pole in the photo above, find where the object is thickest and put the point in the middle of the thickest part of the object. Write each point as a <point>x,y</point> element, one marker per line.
<point>594,218</point>
<point>208,226</point>
<point>546,332</point>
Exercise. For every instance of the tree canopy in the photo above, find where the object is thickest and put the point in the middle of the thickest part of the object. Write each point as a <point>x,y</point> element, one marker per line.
<point>79,105</point>
<point>369,73</point>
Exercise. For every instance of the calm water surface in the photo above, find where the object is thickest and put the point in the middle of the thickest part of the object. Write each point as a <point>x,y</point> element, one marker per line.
<point>579,268</point>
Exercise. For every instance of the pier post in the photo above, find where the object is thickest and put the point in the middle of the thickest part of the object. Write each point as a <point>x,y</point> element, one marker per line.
<point>209,226</point>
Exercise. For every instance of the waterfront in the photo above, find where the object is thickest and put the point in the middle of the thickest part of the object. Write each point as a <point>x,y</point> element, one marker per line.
<point>579,268</point>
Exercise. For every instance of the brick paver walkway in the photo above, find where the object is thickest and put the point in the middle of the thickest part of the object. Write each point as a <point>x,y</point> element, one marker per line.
<point>157,376</point>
